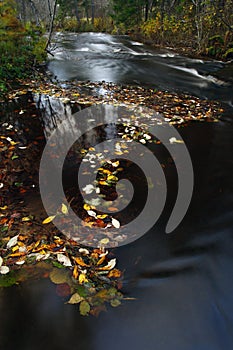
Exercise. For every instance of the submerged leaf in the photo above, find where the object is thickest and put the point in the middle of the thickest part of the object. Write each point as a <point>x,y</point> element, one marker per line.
<point>58,276</point>
<point>84,308</point>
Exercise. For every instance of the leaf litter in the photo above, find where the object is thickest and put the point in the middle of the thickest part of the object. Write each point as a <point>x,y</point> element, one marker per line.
<point>84,276</point>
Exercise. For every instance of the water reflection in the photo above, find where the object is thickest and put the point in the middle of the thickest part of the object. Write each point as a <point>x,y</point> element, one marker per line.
<point>97,57</point>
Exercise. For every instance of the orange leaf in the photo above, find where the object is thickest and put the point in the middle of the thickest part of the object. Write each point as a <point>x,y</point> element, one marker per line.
<point>114,273</point>
<point>80,261</point>
<point>75,272</point>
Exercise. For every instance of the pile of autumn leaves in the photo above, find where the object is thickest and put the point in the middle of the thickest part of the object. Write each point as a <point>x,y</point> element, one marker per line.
<point>83,276</point>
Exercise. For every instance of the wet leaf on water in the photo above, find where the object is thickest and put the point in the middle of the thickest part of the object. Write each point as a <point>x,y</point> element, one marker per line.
<point>174,140</point>
<point>84,308</point>
<point>75,299</point>
<point>64,209</point>
<point>48,219</point>
<point>116,223</point>
<point>114,273</point>
<point>111,264</point>
<point>115,302</point>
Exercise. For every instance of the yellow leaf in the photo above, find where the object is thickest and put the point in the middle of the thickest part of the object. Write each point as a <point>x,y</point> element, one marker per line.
<point>112,178</point>
<point>75,299</point>
<point>82,278</point>
<point>26,218</point>
<point>104,216</point>
<point>64,209</point>
<point>4,208</point>
<point>103,183</point>
<point>13,143</point>
<point>88,207</point>
<point>116,164</point>
<point>48,219</point>
<point>106,171</point>
<point>104,241</point>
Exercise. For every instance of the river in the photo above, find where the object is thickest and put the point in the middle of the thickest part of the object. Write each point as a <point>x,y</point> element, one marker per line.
<point>183,281</point>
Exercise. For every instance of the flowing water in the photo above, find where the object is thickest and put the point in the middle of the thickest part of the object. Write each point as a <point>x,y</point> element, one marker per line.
<point>182,282</point>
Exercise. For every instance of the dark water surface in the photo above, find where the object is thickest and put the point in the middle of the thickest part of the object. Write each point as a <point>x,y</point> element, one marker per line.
<point>182,282</point>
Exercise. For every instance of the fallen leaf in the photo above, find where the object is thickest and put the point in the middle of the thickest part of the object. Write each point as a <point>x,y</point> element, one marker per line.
<point>174,140</point>
<point>82,278</point>
<point>4,270</point>
<point>80,261</point>
<point>84,308</point>
<point>116,223</point>
<point>26,218</point>
<point>104,241</point>
<point>48,219</point>
<point>64,209</point>
<point>75,299</point>
<point>13,241</point>
<point>114,273</point>
<point>111,264</point>
<point>63,259</point>
<point>58,276</point>
<point>115,302</point>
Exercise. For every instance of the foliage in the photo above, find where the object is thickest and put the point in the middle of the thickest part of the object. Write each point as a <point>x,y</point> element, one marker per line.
<point>178,23</point>
<point>20,46</point>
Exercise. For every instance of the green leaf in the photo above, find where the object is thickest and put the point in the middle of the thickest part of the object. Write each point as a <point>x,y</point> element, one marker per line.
<point>115,302</point>
<point>84,308</point>
<point>14,157</point>
<point>82,291</point>
<point>58,265</point>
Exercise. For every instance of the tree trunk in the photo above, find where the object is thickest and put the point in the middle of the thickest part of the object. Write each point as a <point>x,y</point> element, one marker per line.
<point>51,24</point>
<point>92,11</point>
<point>76,11</point>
